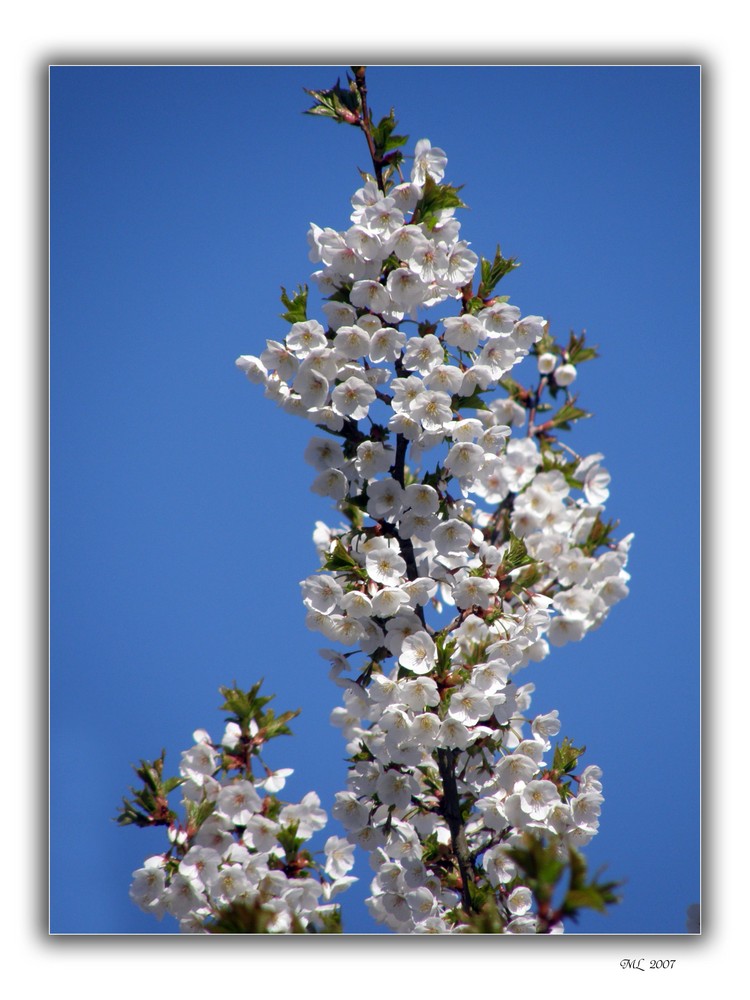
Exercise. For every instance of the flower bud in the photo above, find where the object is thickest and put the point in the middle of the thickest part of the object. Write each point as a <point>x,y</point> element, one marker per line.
<point>546,363</point>
<point>565,374</point>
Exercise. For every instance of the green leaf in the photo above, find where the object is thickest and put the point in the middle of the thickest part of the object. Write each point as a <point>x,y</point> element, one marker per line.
<point>429,478</point>
<point>198,813</point>
<point>591,897</point>
<point>272,725</point>
<point>340,560</point>
<point>566,756</point>
<point>516,391</point>
<point>340,103</point>
<point>394,141</point>
<point>494,272</point>
<point>568,413</point>
<point>248,706</point>
<point>540,866</point>
<point>287,837</point>
<point>516,554</point>
<point>600,535</point>
<point>243,704</point>
<point>475,305</point>
<point>383,137</point>
<point>584,894</point>
<point>577,352</point>
<point>435,198</point>
<point>342,293</point>
<point>272,806</point>
<point>472,402</point>
<point>149,805</point>
<point>296,305</point>
<point>445,648</point>
<point>530,576</point>
<point>171,784</point>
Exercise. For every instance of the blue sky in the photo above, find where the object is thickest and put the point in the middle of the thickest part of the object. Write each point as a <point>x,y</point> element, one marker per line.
<point>180,510</point>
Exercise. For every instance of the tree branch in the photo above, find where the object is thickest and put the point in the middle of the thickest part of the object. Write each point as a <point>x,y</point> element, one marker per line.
<point>451,810</point>
<point>365,124</point>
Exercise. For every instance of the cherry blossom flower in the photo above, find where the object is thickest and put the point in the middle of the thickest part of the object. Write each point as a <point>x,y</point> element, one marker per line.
<point>429,161</point>
<point>418,653</point>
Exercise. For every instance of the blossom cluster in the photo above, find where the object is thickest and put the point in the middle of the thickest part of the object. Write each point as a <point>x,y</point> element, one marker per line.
<point>378,273</point>
<point>241,850</point>
<point>503,545</point>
